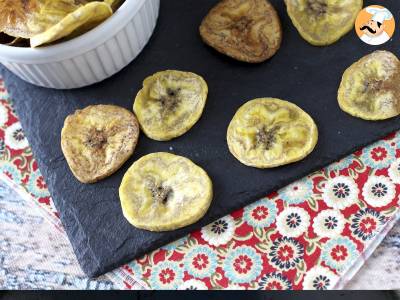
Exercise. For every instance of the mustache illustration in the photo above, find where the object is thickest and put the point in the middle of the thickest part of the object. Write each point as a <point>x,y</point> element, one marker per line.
<point>368,28</point>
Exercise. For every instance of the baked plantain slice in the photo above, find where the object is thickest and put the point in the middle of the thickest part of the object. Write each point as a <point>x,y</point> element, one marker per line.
<point>170,103</point>
<point>97,140</point>
<point>269,132</point>
<point>323,22</point>
<point>370,88</point>
<point>26,18</point>
<point>246,30</point>
<point>80,20</point>
<point>163,191</point>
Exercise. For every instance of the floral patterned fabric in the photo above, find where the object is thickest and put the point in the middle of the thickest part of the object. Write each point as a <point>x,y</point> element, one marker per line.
<point>313,234</point>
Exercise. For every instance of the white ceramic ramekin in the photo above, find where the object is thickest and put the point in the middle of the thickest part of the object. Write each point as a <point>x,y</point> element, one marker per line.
<point>89,58</point>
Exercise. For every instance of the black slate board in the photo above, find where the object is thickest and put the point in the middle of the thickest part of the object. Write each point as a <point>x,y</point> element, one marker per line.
<point>306,75</point>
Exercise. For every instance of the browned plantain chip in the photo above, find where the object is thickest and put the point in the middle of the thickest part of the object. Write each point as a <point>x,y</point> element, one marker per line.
<point>97,140</point>
<point>27,18</point>
<point>14,15</point>
<point>246,30</point>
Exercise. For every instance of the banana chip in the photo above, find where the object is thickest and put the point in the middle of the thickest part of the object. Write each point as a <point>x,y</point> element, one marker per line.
<point>268,132</point>
<point>26,18</point>
<point>170,103</point>
<point>46,21</point>
<point>323,22</point>
<point>370,88</point>
<point>246,30</point>
<point>162,192</point>
<point>97,140</point>
<point>82,20</point>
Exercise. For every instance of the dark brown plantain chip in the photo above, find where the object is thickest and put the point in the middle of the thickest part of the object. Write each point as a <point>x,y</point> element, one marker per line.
<point>246,30</point>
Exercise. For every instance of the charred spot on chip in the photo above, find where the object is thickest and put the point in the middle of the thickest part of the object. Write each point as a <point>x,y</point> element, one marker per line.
<point>96,138</point>
<point>171,92</point>
<point>246,30</point>
<point>161,194</point>
<point>171,101</point>
<point>266,137</point>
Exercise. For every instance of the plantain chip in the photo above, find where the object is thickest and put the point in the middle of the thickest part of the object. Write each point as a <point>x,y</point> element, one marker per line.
<point>170,103</point>
<point>15,14</point>
<point>82,19</point>
<point>323,22</point>
<point>26,18</point>
<point>162,192</point>
<point>268,132</point>
<point>246,30</point>
<point>97,140</point>
<point>370,88</point>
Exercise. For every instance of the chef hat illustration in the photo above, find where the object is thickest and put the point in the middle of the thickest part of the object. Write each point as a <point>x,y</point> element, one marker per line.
<point>379,14</point>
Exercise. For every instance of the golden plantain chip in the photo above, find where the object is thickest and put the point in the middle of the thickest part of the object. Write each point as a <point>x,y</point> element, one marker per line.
<point>26,18</point>
<point>268,132</point>
<point>162,192</point>
<point>246,30</point>
<point>323,22</point>
<point>370,88</point>
<point>82,19</point>
<point>170,103</point>
<point>97,140</point>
